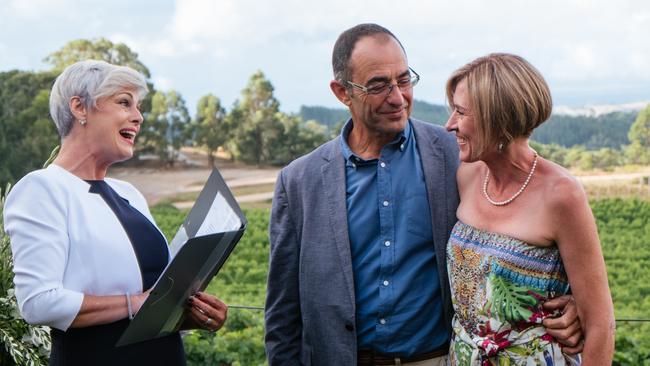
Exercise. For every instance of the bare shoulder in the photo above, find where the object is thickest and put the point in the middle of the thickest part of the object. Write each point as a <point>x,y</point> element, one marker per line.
<point>562,190</point>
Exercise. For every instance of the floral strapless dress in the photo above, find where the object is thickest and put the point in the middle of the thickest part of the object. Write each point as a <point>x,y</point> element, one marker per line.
<point>498,286</point>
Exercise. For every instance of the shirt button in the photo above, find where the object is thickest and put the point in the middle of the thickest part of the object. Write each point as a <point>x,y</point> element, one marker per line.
<point>386,283</point>
<point>385,203</point>
<point>382,164</point>
<point>382,321</point>
<point>387,243</point>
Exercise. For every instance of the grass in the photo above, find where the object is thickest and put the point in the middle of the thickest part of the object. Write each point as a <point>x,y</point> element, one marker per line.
<point>597,191</point>
<point>253,189</point>
<point>237,191</point>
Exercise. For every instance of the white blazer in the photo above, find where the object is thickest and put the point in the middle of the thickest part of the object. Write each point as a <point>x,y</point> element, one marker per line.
<point>67,242</point>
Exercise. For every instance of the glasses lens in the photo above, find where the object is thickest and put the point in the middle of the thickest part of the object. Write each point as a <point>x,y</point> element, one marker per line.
<point>378,89</point>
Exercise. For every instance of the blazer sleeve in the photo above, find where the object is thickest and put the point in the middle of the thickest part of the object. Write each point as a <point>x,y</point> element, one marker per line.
<point>35,218</point>
<point>283,322</point>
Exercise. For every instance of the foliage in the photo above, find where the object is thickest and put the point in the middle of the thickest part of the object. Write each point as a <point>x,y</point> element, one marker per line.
<point>97,49</point>
<point>624,229</point>
<point>258,124</point>
<point>581,158</point>
<point>166,127</point>
<point>433,113</point>
<point>607,130</point>
<point>263,134</point>
<point>210,127</point>
<point>639,149</point>
<point>255,130</point>
<point>623,225</point>
<point>20,343</point>
<point>328,117</point>
<point>242,281</point>
<point>299,138</point>
<point>26,133</point>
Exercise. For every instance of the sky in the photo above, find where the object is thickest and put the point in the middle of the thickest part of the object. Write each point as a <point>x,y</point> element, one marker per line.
<point>590,51</point>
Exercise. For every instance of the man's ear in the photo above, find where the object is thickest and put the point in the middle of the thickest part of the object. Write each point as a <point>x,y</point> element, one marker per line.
<point>78,108</point>
<point>341,92</point>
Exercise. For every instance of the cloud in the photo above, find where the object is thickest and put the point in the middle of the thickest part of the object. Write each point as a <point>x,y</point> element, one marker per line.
<point>205,46</point>
<point>36,9</point>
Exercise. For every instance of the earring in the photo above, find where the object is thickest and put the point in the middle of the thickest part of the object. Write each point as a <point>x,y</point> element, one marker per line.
<point>500,147</point>
<point>82,122</point>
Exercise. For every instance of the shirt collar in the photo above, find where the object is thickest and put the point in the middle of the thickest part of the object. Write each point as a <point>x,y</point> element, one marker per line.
<point>400,141</point>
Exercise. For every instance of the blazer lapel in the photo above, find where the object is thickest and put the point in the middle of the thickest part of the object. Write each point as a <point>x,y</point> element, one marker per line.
<point>333,175</point>
<point>435,171</point>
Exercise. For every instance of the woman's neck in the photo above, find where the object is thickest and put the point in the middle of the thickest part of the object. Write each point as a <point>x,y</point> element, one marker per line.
<point>79,160</point>
<point>510,166</point>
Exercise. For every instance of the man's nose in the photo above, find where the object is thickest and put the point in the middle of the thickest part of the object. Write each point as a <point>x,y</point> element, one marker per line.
<point>396,97</point>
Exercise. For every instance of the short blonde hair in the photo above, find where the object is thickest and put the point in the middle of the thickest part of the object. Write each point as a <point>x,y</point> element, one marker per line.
<point>508,98</point>
<point>90,80</point>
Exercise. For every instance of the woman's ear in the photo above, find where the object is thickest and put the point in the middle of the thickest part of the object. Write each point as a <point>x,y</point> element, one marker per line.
<point>78,108</point>
<point>341,92</point>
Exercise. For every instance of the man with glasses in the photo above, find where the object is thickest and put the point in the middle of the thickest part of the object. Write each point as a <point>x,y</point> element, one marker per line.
<point>359,226</point>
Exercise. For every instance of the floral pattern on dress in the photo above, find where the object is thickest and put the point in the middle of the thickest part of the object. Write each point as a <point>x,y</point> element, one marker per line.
<point>498,286</point>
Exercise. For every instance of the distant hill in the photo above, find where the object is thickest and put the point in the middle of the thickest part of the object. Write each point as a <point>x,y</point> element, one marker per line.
<point>591,131</point>
<point>331,117</point>
<point>433,113</point>
<point>606,130</point>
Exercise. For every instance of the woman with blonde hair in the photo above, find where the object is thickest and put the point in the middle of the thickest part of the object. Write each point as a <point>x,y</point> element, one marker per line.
<point>525,232</point>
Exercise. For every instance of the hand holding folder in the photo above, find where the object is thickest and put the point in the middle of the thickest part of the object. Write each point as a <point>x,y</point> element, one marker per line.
<point>201,246</point>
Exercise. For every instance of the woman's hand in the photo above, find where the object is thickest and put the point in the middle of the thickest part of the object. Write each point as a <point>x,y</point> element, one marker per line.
<point>138,300</point>
<point>205,312</point>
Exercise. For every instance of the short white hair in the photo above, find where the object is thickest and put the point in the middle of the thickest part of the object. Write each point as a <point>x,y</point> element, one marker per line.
<point>90,80</point>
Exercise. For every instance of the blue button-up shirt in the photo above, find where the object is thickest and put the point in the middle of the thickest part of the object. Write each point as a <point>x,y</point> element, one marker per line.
<point>398,301</point>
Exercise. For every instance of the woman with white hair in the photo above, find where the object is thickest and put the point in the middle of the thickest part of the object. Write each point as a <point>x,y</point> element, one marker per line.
<point>86,248</point>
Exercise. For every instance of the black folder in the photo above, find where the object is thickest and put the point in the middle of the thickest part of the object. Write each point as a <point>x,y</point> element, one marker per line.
<point>201,246</point>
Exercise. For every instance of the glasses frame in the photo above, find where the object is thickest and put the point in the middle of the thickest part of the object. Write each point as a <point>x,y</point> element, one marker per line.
<point>415,78</point>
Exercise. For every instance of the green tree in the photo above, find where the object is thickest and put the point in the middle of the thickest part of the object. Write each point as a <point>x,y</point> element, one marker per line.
<point>211,129</point>
<point>26,132</point>
<point>259,129</point>
<point>607,158</point>
<point>639,149</point>
<point>97,49</point>
<point>300,137</point>
<point>166,126</point>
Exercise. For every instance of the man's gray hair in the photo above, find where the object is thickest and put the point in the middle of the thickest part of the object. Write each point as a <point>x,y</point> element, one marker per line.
<point>345,45</point>
<point>90,80</point>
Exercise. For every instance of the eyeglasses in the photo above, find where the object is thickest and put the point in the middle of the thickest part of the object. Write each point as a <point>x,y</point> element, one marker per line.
<point>384,89</point>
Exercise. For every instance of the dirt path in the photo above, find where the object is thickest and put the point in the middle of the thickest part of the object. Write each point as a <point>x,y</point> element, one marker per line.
<point>158,184</point>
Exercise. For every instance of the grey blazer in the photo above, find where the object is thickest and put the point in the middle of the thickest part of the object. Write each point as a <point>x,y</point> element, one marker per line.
<point>310,303</point>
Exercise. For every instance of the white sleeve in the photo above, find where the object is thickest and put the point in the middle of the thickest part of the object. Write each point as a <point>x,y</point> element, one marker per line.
<point>35,217</point>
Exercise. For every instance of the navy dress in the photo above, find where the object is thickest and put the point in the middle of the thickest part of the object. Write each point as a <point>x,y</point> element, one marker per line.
<point>95,345</point>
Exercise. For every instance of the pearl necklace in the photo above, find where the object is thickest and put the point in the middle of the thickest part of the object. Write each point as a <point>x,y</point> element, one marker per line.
<point>503,203</point>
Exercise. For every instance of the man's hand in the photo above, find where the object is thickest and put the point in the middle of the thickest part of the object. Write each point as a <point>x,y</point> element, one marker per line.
<point>565,328</point>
